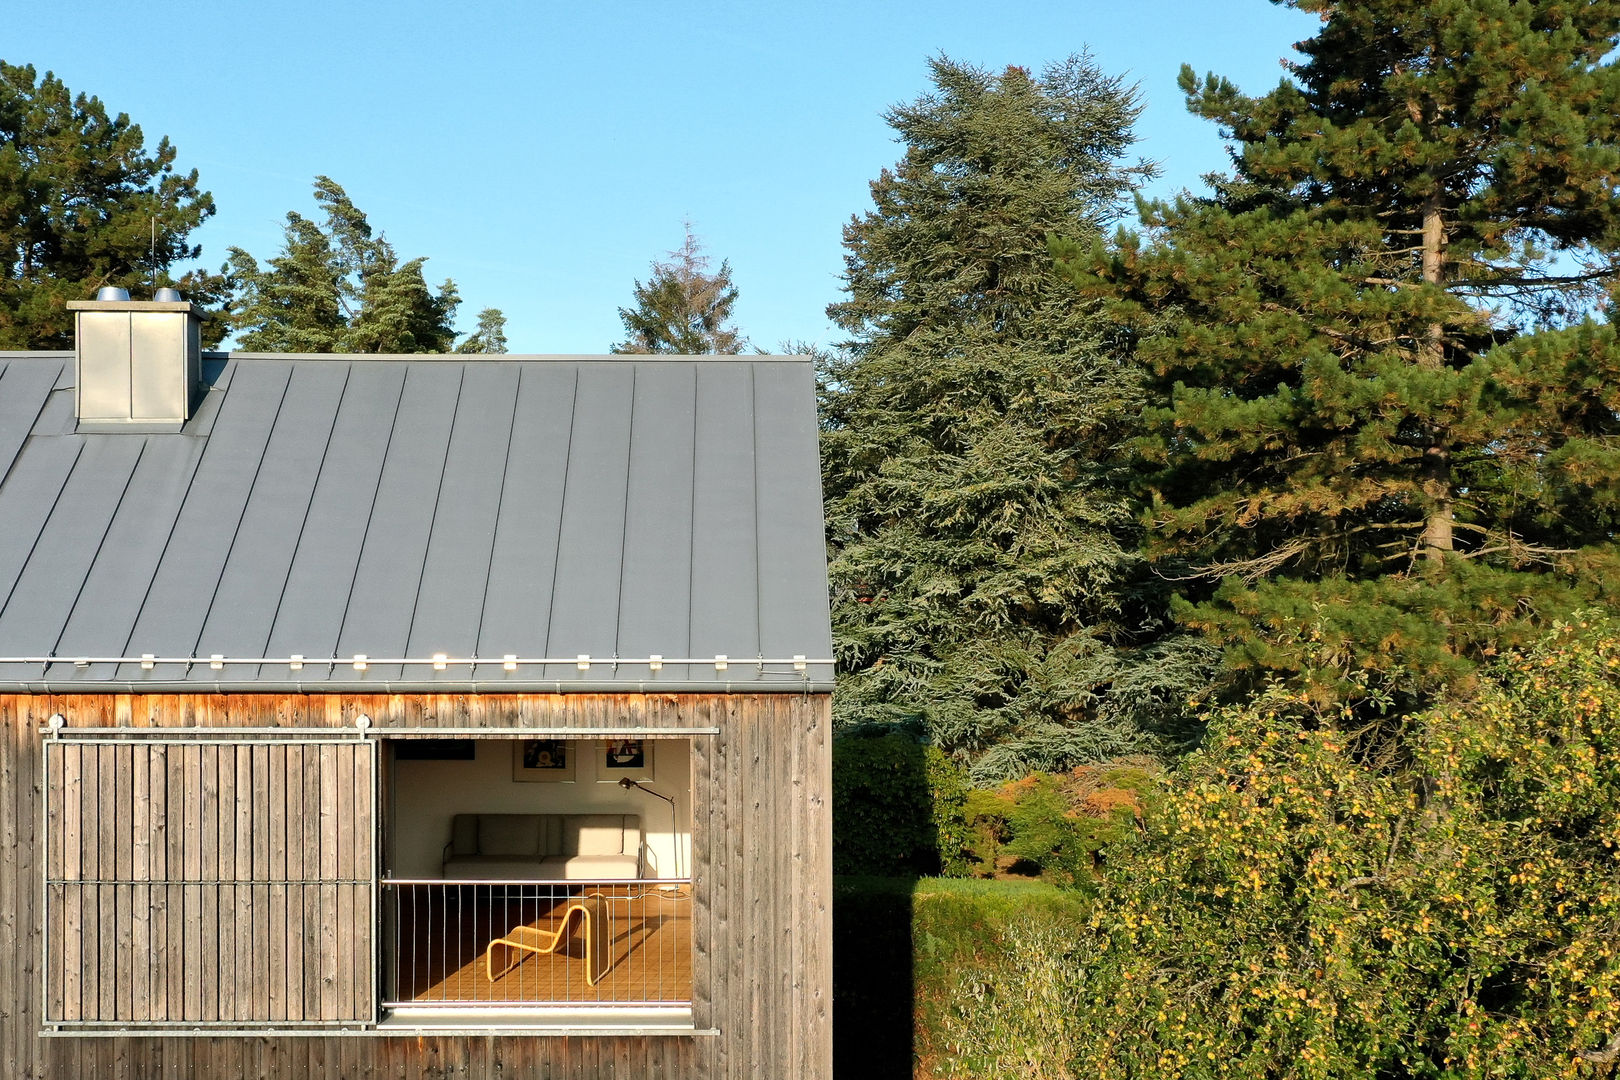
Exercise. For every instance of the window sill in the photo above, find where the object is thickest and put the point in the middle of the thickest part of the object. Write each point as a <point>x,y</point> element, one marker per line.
<point>413,1022</point>
<point>541,1021</point>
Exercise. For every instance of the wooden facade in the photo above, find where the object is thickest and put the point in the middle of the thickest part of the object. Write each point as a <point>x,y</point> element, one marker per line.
<point>761,905</point>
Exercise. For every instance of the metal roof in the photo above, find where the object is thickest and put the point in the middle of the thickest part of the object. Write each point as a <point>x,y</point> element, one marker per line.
<point>401,507</point>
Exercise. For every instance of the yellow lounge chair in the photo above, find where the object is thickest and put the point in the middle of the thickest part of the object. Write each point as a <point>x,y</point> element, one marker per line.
<point>531,939</point>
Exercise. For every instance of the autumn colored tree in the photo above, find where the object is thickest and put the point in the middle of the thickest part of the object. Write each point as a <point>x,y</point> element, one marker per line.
<point>1290,913</point>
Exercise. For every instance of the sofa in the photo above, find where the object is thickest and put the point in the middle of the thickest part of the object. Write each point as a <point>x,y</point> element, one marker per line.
<point>547,847</point>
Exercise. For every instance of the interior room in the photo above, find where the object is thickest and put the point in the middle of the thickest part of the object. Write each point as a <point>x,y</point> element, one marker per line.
<point>533,873</point>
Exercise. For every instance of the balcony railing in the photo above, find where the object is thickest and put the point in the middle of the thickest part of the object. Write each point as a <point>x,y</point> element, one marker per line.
<point>514,944</point>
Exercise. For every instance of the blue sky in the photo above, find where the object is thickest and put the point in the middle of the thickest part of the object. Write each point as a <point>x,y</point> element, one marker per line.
<point>542,154</point>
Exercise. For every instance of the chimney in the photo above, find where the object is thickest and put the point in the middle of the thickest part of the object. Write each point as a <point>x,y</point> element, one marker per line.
<point>137,361</point>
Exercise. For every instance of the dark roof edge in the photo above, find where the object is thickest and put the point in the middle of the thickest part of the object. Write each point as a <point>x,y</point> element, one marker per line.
<point>623,686</point>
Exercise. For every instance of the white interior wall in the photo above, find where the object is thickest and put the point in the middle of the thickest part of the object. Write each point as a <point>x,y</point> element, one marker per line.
<point>427,794</point>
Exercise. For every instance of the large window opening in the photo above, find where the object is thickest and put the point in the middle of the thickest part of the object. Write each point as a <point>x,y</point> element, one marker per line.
<point>537,876</point>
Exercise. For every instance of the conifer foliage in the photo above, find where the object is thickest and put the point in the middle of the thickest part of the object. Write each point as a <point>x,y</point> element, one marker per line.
<point>1390,416</point>
<point>683,308</point>
<point>338,288</point>
<point>982,555</point>
<point>489,337</point>
<point>84,203</point>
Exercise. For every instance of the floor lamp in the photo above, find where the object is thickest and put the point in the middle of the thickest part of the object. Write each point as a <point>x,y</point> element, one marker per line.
<point>674,825</point>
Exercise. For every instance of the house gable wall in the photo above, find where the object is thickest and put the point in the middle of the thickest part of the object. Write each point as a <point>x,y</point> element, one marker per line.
<point>762,928</point>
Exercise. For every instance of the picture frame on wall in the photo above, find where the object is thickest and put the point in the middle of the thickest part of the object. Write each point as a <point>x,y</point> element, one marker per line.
<point>624,759</point>
<point>543,760</point>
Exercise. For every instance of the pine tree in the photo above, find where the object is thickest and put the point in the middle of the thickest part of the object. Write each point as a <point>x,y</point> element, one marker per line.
<point>983,568</point>
<point>84,204</point>
<point>1389,421</point>
<point>490,337</point>
<point>683,308</point>
<point>338,288</point>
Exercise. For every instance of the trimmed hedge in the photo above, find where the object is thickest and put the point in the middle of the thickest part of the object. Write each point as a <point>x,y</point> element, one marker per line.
<point>941,977</point>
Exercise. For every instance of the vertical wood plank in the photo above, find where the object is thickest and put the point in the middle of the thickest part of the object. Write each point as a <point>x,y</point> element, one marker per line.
<point>702,881</point>
<point>294,804</point>
<point>141,894</point>
<point>265,825</point>
<point>18,742</point>
<point>54,861</point>
<point>327,842</point>
<point>204,958</point>
<point>279,922</point>
<point>314,916</point>
<point>176,889</point>
<point>72,757</point>
<point>343,767</point>
<point>247,999</point>
<point>224,894</point>
<point>90,867</point>
<point>123,763</point>
<point>368,921</point>
<point>157,768</point>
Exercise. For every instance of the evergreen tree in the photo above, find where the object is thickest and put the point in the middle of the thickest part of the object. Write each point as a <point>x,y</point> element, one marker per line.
<point>683,308</point>
<point>338,289</point>
<point>490,337</point>
<point>84,204</point>
<point>983,571</point>
<point>1389,425</point>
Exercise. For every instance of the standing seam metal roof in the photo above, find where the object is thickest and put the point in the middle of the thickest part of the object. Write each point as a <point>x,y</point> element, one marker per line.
<point>405,506</point>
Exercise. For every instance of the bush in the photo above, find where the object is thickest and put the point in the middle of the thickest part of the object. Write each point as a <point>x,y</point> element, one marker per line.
<point>1295,912</point>
<point>1059,824</point>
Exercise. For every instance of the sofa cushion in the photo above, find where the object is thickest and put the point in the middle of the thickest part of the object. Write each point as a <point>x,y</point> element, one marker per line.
<point>589,868</point>
<point>500,867</point>
<point>509,834</point>
<point>593,834</point>
<point>464,834</point>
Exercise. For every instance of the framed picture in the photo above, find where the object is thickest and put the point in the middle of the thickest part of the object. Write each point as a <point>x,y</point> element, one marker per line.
<point>539,760</point>
<point>621,759</point>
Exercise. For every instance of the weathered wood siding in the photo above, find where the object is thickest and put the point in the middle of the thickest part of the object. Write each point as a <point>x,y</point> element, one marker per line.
<point>160,909</point>
<point>762,924</point>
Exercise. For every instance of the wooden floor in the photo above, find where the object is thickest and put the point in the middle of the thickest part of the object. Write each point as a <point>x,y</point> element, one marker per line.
<point>442,939</point>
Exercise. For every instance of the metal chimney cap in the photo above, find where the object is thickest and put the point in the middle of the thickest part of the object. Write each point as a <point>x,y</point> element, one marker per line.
<point>167,296</point>
<point>112,292</point>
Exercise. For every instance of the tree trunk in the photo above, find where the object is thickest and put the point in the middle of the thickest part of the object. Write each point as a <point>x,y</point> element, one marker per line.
<point>1438,540</point>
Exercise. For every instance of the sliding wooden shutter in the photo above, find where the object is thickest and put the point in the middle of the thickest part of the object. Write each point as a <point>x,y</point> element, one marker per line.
<point>214,882</point>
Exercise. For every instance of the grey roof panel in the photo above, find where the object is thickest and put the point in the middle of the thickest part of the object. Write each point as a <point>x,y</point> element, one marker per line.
<point>656,571</point>
<point>117,582</point>
<point>523,559</point>
<point>35,612</point>
<point>792,598</point>
<point>171,617</point>
<point>402,506</point>
<point>450,604</point>
<point>334,528</point>
<point>24,386</point>
<point>27,498</point>
<point>254,578</point>
<point>725,570</point>
<point>389,574</point>
<point>585,596</point>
